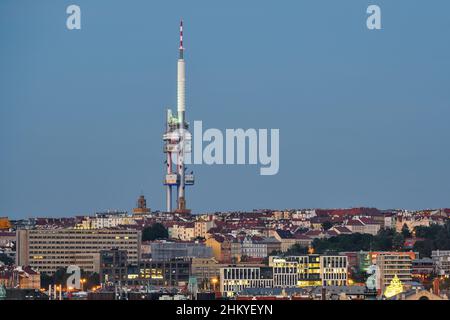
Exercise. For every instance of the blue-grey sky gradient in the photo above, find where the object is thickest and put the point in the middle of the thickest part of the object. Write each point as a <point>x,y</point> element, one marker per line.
<point>363,115</point>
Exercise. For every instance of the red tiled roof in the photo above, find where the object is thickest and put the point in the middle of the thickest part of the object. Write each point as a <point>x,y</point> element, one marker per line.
<point>300,236</point>
<point>313,232</point>
<point>348,212</point>
<point>7,234</point>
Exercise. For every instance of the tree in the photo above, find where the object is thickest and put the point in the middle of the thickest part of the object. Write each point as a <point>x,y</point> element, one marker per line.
<point>383,240</point>
<point>398,241</point>
<point>358,276</point>
<point>46,280</point>
<point>327,225</point>
<point>6,259</point>
<point>441,240</point>
<point>428,232</point>
<point>444,284</point>
<point>92,279</point>
<point>436,237</point>
<point>345,242</point>
<point>424,247</point>
<point>155,231</point>
<point>60,276</point>
<point>405,231</point>
<point>296,249</point>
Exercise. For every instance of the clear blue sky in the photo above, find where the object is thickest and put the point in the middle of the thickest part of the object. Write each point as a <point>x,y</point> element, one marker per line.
<point>363,115</point>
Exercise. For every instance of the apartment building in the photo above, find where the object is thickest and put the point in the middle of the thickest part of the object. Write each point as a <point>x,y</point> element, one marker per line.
<point>207,271</point>
<point>363,225</point>
<point>20,277</point>
<point>183,232</point>
<point>253,248</point>
<point>393,264</point>
<point>106,220</point>
<point>441,262</point>
<point>201,228</point>
<point>288,239</point>
<point>47,250</point>
<point>222,248</point>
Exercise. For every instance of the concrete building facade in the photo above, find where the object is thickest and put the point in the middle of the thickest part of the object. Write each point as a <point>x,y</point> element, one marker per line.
<point>165,251</point>
<point>47,250</point>
<point>393,264</point>
<point>234,279</point>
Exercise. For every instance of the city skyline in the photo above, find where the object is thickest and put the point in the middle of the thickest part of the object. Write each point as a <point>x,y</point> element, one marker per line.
<point>362,114</point>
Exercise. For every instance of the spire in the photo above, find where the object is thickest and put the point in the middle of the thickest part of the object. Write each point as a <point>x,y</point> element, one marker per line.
<point>181,39</point>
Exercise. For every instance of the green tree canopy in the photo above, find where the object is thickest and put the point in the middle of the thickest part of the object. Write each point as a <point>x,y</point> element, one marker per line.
<point>434,237</point>
<point>6,259</point>
<point>405,231</point>
<point>155,231</point>
<point>345,242</point>
<point>424,248</point>
<point>398,241</point>
<point>296,249</point>
<point>327,225</point>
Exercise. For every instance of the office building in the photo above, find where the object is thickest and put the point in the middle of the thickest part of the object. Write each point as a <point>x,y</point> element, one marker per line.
<point>165,251</point>
<point>309,270</point>
<point>333,270</point>
<point>174,272</point>
<point>234,279</point>
<point>113,266</point>
<point>47,250</point>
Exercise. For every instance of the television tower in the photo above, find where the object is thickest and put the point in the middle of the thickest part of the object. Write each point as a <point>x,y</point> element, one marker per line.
<point>177,142</point>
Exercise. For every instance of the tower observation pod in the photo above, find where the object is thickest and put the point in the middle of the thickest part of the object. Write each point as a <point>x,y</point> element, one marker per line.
<point>177,142</point>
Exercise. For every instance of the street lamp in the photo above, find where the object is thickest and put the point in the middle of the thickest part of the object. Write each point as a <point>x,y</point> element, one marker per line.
<point>214,281</point>
<point>82,281</point>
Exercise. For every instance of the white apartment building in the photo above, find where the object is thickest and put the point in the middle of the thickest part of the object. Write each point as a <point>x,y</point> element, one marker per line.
<point>304,214</point>
<point>441,262</point>
<point>182,232</point>
<point>105,221</point>
<point>363,225</point>
<point>253,249</point>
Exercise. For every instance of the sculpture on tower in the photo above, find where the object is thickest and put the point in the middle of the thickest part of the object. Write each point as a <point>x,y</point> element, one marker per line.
<point>177,142</point>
